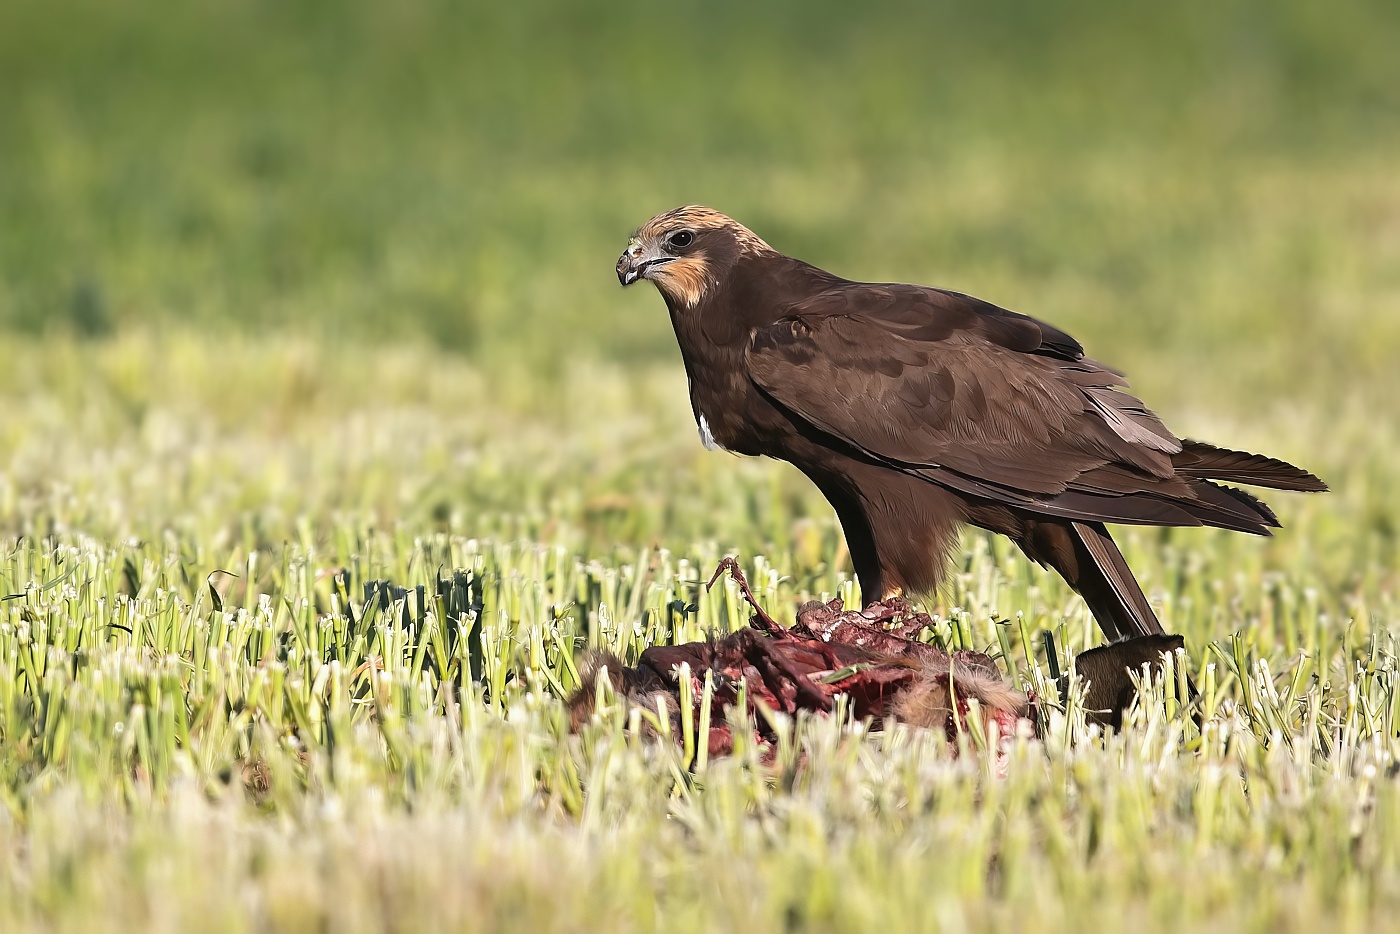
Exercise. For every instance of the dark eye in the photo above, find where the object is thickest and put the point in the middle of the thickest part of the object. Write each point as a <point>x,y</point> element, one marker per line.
<point>680,239</point>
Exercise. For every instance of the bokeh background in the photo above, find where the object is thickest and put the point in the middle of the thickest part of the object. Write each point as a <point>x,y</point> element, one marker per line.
<point>356,258</point>
<point>255,223</point>
<point>1213,185</point>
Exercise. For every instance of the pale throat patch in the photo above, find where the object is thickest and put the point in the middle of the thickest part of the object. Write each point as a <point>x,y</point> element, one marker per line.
<point>685,280</point>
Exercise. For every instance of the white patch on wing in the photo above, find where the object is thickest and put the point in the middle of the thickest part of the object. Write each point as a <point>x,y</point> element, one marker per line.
<point>707,438</point>
<point>1131,420</point>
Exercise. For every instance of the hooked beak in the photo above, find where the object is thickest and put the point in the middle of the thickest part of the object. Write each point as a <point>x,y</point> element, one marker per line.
<point>633,265</point>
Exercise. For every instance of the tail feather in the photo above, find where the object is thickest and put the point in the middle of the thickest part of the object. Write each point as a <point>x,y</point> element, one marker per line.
<point>1202,461</point>
<point>1253,503</point>
<point>1226,507</point>
<point>1107,584</point>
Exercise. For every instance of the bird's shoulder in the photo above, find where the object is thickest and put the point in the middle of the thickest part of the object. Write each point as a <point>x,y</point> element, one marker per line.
<point>925,315</point>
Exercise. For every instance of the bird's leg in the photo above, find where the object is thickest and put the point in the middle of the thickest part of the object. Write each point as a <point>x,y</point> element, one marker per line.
<point>764,621</point>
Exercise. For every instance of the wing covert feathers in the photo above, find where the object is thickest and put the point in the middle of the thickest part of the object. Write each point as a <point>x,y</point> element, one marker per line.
<point>963,406</point>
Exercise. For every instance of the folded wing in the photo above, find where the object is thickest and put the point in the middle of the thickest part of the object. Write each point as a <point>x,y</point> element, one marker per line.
<point>996,405</point>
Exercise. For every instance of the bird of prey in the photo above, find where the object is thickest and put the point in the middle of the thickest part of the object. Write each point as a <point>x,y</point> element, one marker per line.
<point>917,410</point>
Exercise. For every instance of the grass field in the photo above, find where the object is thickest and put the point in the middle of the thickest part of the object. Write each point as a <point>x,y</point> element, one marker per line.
<point>328,442</point>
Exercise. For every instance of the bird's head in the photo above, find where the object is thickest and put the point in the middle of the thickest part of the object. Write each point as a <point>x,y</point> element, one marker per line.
<point>686,251</point>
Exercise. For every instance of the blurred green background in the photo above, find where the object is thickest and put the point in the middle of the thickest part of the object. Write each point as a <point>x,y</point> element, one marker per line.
<point>267,224</point>
<point>1213,183</point>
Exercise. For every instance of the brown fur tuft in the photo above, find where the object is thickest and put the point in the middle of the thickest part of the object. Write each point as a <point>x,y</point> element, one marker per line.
<point>583,701</point>
<point>928,702</point>
<point>1106,671</point>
